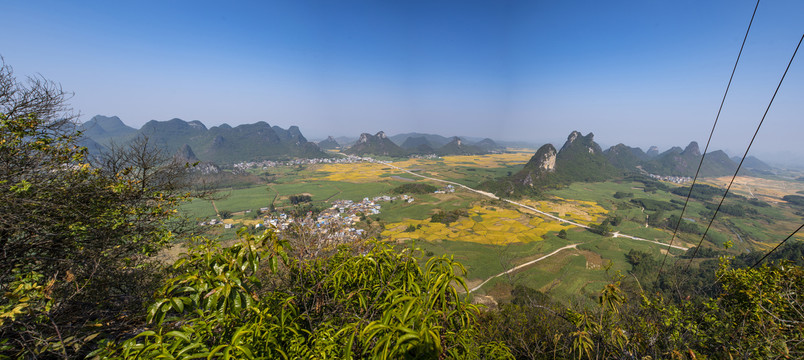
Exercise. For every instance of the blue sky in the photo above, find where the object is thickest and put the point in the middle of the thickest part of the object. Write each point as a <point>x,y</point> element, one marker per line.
<point>639,72</point>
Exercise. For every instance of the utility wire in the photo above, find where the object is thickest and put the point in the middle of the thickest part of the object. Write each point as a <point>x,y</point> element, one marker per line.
<point>744,155</point>
<point>777,246</point>
<point>703,156</point>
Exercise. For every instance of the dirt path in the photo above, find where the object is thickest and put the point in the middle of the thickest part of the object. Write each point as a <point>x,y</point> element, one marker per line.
<point>216,208</point>
<point>333,195</point>
<point>573,246</point>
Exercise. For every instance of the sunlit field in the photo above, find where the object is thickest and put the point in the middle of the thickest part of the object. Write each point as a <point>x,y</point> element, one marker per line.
<point>764,189</point>
<point>584,212</point>
<point>485,225</point>
<point>490,160</point>
<point>357,172</point>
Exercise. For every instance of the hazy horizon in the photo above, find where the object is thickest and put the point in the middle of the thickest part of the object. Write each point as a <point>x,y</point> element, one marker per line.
<point>641,73</point>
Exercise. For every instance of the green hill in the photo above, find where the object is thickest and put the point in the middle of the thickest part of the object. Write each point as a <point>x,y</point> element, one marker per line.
<point>489,145</point>
<point>580,159</point>
<point>417,142</point>
<point>328,144</point>
<point>219,144</point>
<point>677,162</point>
<point>625,157</point>
<point>433,140</point>
<point>377,144</point>
<point>101,129</point>
<point>753,163</point>
<point>458,147</point>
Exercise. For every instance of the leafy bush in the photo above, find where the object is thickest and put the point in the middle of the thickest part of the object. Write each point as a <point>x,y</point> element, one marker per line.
<point>702,192</point>
<point>796,200</point>
<point>653,205</point>
<point>253,301</point>
<point>448,217</point>
<point>414,188</point>
<point>299,198</point>
<point>622,194</point>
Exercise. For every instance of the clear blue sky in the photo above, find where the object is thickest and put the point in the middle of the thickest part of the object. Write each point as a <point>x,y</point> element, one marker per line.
<point>639,72</point>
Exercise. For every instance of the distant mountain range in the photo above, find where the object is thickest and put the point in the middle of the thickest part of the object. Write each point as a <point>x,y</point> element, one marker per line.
<point>680,162</point>
<point>421,144</point>
<point>103,129</point>
<point>219,144</point>
<point>581,159</point>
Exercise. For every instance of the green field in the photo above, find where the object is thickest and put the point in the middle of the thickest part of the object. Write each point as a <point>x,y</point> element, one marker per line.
<point>570,274</point>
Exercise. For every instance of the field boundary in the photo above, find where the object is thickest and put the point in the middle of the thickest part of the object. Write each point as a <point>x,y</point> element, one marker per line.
<point>495,197</point>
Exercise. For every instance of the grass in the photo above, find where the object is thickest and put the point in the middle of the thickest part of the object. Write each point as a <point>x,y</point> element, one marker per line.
<point>494,237</point>
<point>255,197</point>
<point>485,260</point>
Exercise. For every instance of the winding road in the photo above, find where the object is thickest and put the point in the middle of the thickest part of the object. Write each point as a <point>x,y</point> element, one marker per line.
<point>526,207</point>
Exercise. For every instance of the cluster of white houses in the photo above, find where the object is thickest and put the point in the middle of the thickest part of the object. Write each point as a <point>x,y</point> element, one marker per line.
<point>265,164</point>
<point>672,179</point>
<point>336,223</point>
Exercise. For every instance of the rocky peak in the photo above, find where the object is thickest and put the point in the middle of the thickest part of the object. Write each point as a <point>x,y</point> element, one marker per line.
<point>186,154</point>
<point>381,135</point>
<point>363,138</point>
<point>543,162</point>
<point>547,158</point>
<point>575,138</point>
<point>692,149</point>
<point>571,139</point>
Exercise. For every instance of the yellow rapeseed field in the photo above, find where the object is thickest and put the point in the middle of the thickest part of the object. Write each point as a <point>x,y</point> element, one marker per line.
<point>356,173</point>
<point>584,212</point>
<point>414,163</point>
<point>764,189</point>
<point>487,161</point>
<point>485,224</point>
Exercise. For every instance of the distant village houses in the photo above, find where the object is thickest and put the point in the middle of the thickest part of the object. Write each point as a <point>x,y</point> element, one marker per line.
<point>337,223</point>
<point>672,179</point>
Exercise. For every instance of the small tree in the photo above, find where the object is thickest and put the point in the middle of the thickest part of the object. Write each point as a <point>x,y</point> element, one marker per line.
<point>562,234</point>
<point>74,239</point>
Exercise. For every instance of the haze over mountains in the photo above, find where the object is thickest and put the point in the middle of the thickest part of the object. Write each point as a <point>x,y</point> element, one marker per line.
<point>580,158</point>
<point>219,144</point>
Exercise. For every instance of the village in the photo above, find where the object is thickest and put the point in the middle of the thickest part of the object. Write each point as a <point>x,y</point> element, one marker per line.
<point>265,164</point>
<point>336,224</point>
<point>672,179</point>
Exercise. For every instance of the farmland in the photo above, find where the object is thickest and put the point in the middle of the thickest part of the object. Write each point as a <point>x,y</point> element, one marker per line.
<point>493,236</point>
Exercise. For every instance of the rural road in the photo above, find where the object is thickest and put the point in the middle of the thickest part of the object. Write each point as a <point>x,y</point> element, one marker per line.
<point>488,194</point>
<point>573,246</point>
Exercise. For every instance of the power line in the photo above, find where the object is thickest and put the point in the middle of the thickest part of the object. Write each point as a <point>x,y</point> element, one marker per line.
<point>703,156</point>
<point>777,246</point>
<point>745,154</point>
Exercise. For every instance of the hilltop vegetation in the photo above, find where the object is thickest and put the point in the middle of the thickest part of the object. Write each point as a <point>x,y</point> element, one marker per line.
<point>580,159</point>
<point>220,144</point>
